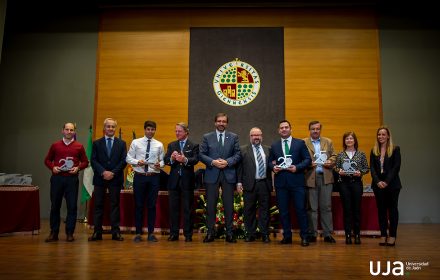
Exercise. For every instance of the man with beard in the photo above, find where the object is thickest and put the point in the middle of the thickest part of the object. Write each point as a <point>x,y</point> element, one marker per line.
<point>255,181</point>
<point>220,152</point>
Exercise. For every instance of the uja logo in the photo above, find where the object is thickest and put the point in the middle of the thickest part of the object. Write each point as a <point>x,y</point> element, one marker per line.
<point>236,83</point>
<point>397,269</point>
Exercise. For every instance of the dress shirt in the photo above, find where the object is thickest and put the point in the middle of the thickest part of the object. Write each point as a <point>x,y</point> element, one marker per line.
<point>317,147</point>
<point>184,143</point>
<point>112,142</point>
<point>254,149</point>
<point>67,142</point>
<point>138,150</point>
<point>289,141</point>
<point>223,135</point>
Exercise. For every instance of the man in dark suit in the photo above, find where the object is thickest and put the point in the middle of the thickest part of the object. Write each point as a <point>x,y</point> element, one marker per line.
<point>220,152</point>
<point>108,163</point>
<point>288,159</point>
<point>181,155</point>
<point>255,181</point>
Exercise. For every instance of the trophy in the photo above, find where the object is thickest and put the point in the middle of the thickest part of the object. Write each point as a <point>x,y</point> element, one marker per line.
<point>320,157</point>
<point>67,163</point>
<point>285,162</point>
<point>349,166</point>
<point>153,158</point>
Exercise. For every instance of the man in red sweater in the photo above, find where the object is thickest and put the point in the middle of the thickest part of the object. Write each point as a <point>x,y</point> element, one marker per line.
<point>65,159</point>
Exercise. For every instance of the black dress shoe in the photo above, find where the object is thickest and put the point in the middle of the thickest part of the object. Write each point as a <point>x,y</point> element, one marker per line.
<point>311,238</point>
<point>95,236</point>
<point>391,242</point>
<point>69,237</point>
<point>357,239</point>
<point>304,242</point>
<point>286,240</point>
<point>384,243</point>
<point>188,239</point>
<point>117,237</point>
<point>265,238</point>
<point>53,237</point>
<point>230,239</point>
<point>249,238</point>
<point>208,238</point>
<point>348,239</point>
<point>173,237</point>
<point>329,239</point>
<point>137,238</point>
<point>152,238</point>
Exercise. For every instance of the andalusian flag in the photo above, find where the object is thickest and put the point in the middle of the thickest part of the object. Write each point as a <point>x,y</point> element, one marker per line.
<point>87,188</point>
<point>130,172</point>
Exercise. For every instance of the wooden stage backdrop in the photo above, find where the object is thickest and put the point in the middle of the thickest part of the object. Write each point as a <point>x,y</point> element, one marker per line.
<point>332,68</point>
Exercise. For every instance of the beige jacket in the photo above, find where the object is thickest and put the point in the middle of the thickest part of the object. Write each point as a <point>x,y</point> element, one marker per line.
<point>326,145</point>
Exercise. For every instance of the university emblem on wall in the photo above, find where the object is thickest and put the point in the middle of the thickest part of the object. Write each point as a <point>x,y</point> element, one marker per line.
<point>236,83</point>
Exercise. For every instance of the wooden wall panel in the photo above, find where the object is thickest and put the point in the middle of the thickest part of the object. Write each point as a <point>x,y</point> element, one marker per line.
<point>331,67</point>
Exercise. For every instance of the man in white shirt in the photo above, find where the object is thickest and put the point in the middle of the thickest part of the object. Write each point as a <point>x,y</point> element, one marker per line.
<point>146,155</point>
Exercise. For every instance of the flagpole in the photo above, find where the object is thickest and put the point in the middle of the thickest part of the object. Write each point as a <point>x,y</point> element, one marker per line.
<point>86,194</point>
<point>85,220</point>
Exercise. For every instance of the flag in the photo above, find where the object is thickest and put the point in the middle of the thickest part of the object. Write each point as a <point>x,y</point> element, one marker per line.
<point>87,188</point>
<point>130,172</point>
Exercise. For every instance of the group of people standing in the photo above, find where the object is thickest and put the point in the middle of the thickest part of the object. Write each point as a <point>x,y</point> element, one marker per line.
<point>301,170</point>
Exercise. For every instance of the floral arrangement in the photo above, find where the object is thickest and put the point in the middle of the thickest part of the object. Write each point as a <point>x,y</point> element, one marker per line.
<point>237,218</point>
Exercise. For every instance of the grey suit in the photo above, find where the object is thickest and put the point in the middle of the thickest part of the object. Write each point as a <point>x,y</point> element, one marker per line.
<point>211,149</point>
<point>255,190</point>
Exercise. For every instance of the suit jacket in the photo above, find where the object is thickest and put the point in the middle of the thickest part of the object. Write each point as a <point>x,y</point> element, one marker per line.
<point>101,162</point>
<point>327,146</point>
<point>247,168</point>
<point>391,167</point>
<point>300,158</point>
<point>191,152</point>
<point>210,149</point>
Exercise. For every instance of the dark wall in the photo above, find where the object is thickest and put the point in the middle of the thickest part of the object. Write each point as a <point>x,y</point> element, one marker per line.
<point>47,78</point>
<point>410,63</point>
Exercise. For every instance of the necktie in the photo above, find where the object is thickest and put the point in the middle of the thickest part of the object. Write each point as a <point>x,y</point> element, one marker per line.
<point>286,148</point>
<point>261,169</point>
<point>147,155</point>
<point>220,139</point>
<point>109,146</point>
<point>182,144</point>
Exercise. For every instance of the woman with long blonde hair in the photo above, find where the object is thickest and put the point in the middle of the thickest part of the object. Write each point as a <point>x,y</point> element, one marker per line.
<point>385,166</point>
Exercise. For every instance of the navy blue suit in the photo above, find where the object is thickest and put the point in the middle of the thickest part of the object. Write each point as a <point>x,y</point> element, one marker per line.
<point>211,149</point>
<point>115,163</point>
<point>290,185</point>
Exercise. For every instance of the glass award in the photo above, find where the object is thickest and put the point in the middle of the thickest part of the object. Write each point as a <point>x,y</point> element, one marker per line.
<point>349,166</point>
<point>67,163</point>
<point>320,158</point>
<point>153,158</point>
<point>285,162</point>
